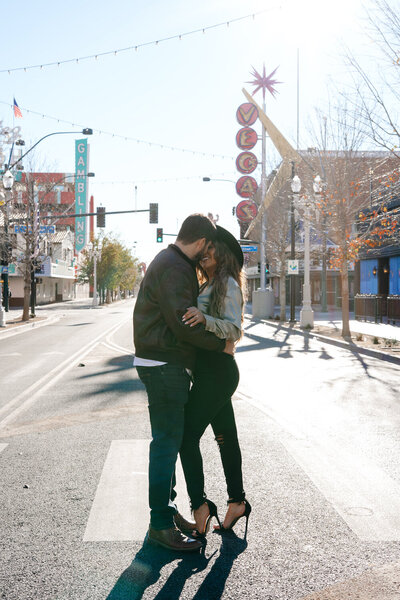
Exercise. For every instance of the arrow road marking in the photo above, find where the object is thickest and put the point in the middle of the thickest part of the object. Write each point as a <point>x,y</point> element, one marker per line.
<point>120,509</point>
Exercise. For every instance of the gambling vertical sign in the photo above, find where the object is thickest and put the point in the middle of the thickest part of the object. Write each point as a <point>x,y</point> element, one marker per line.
<point>81,170</point>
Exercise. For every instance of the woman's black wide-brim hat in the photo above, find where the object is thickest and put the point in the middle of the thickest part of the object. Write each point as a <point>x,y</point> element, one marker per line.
<point>223,235</point>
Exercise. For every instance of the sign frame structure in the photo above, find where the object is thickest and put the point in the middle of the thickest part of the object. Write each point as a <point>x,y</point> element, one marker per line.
<point>293,267</point>
<point>81,192</point>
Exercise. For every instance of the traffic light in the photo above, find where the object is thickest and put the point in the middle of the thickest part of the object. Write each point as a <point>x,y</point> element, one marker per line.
<point>5,254</point>
<point>159,235</point>
<point>266,268</point>
<point>153,213</point>
<point>101,217</point>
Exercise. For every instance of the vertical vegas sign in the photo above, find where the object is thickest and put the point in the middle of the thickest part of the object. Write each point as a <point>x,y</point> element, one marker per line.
<point>246,163</point>
<point>81,170</point>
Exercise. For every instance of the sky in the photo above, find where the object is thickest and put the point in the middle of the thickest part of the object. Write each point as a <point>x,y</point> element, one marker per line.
<point>182,93</point>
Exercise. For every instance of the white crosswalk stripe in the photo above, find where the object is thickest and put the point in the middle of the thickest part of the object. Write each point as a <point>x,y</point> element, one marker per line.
<point>120,509</point>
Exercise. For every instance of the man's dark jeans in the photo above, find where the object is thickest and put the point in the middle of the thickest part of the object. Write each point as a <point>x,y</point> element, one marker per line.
<point>167,389</point>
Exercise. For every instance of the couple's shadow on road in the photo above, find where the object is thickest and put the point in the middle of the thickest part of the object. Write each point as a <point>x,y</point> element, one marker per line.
<point>145,570</point>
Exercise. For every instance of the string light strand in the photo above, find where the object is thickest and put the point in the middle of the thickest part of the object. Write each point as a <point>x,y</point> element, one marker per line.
<point>135,47</point>
<point>123,137</point>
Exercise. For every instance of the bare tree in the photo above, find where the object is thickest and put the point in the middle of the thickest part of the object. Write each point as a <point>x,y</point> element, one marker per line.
<point>375,95</point>
<point>278,233</point>
<point>347,198</point>
<point>27,217</point>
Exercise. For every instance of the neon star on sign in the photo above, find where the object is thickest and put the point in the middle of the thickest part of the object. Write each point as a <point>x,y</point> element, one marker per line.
<point>264,82</point>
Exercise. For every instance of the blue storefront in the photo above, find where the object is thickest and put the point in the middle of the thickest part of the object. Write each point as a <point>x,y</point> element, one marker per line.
<point>379,285</point>
<point>380,276</point>
<point>368,276</point>
<point>394,275</point>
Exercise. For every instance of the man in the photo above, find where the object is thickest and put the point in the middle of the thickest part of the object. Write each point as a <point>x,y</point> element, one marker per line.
<point>165,349</point>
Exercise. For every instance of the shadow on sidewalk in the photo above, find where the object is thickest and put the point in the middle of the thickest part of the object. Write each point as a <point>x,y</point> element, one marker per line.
<point>285,349</point>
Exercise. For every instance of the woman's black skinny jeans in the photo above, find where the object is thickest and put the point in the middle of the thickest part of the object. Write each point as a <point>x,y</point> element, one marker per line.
<point>216,377</point>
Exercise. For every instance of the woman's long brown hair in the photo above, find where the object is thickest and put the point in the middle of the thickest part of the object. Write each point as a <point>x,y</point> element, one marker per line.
<point>227,266</point>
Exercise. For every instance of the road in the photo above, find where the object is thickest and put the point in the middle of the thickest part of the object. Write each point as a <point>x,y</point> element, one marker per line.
<point>319,430</point>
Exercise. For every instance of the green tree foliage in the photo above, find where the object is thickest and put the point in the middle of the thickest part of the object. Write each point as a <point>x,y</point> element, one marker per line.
<point>117,269</point>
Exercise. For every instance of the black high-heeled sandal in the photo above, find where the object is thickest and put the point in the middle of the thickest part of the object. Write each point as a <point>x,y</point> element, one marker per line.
<point>247,511</point>
<point>212,513</point>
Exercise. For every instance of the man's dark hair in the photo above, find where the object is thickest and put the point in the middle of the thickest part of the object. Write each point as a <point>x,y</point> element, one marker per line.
<point>196,227</point>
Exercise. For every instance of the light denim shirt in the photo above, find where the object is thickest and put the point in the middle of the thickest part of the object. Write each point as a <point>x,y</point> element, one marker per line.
<point>228,327</point>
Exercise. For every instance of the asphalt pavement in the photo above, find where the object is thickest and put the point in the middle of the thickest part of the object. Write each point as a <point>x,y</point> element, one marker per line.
<point>319,430</point>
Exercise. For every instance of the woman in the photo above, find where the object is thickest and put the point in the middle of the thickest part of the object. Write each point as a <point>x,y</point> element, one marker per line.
<point>215,378</point>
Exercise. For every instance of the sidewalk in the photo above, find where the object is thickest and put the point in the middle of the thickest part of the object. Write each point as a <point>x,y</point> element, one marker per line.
<point>372,339</point>
<point>333,319</point>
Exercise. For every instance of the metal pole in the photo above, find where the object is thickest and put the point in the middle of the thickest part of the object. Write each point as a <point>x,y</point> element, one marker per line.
<point>95,301</point>
<point>306,313</point>
<point>7,239</point>
<point>324,306</point>
<point>33,291</point>
<point>263,260</point>
<point>292,256</point>
<point>2,312</point>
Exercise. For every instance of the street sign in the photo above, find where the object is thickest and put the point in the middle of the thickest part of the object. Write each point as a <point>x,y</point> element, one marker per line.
<point>43,229</point>
<point>293,267</point>
<point>246,210</point>
<point>249,248</point>
<point>4,270</point>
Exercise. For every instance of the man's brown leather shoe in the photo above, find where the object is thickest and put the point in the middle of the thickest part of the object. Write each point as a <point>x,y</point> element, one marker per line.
<point>173,539</point>
<point>187,527</point>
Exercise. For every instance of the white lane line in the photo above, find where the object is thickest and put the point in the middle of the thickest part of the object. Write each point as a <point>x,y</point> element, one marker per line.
<point>120,509</point>
<point>366,498</point>
<point>10,354</point>
<point>2,446</point>
<point>117,349</point>
<point>32,393</point>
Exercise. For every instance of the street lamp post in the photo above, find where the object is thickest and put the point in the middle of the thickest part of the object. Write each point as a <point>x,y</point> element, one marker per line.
<point>96,254</point>
<point>296,187</point>
<point>85,131</point>
<point>8,181</point>
<point>307,313</point>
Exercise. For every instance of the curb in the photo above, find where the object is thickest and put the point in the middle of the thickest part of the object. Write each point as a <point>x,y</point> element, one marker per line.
<point>339,343</point>
<point>27,326</point>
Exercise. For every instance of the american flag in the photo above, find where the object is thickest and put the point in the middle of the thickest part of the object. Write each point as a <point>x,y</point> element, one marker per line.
<point>17,110</point>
